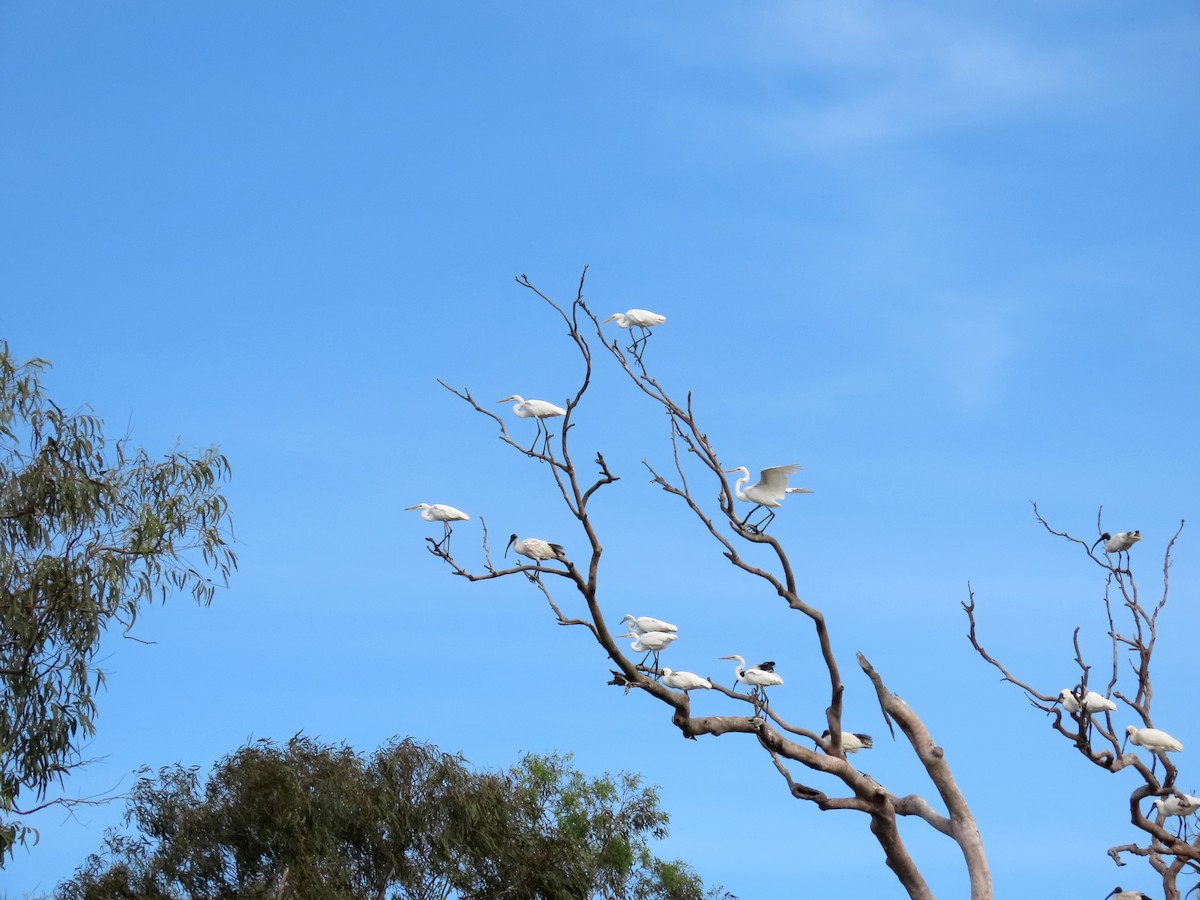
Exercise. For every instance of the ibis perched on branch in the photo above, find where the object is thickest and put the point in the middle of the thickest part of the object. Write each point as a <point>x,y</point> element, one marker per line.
<point>1119,543</point>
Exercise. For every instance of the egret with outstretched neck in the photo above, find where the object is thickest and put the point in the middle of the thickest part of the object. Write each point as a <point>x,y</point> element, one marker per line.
<point>440,512</point>
<point>537,410</point>
<point>759,678</point>
<point>770,488</point>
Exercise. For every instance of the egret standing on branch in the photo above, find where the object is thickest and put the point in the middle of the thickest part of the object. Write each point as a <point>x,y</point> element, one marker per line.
<point>758,677</point>
<point>535,409</point>
<point>641,319</point>
<point>643,624</point>
<point>440,512</point>
<point>684,681</point>
<point>1119,543</point>
<point>649,642</point>
<point>770,489</point>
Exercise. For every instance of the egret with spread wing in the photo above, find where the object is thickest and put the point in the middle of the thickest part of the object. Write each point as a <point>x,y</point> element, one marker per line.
<point>768,491</point>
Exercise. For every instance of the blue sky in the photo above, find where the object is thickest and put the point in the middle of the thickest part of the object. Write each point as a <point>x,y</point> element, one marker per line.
<point>941,255</point>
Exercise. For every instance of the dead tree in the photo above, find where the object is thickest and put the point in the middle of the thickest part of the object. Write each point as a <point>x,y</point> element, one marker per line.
<point>1088,723</point>
<point>698,475</point>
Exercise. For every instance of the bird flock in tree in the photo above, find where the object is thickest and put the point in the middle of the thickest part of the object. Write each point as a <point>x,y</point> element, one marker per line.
<point>650,636</point>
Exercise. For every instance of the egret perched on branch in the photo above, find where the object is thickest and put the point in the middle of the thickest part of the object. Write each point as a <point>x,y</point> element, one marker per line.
<point>643,624</point>
<point>440,512</point>
<point>641,319</point>
<point>1154,740</point>
<point>1118,894</point>
<point>758,677</point>
<point>649,642</point>
<point>1119,543</point>
<point>1092,703</point>
<point>535,409</point>
<point>684,681</point>
<point>768,491</point>
<point>852,742</point>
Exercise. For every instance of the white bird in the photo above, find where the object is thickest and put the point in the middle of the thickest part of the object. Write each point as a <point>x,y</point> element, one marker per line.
<point>535,409</point>
<point>1154,740</point>
<point>758,677</point>
<point>1176,805</point>
<point>684,681</point>
<point>852,742</point>
<point>643,624</point>
<point>535,549</point>
<point>440,512</point>
<point>1092,703</point>
<point>1118,894</point>
<point>649,642</point>
<point>768,491</point>
<point>1119,543</point>
<point>641,319</point>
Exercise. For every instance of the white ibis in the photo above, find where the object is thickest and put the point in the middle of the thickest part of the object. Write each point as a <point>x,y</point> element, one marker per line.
<point>649,642</point>
<point>1119,543</point>
<point>440,512</point>
<point>643,624</point>
<point>770,488</point>
<point>535,549</point>
<point>641,319</point>
<point>1118,894</point>
<point>1154,740</point>
<point>684,681</point>
<point>1092,703</point>
<point>852,742</point>
<point>758,677</point>
<point>535,409</point>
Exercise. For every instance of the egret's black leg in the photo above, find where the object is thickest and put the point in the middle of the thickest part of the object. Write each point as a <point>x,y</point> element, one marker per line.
<point>747,519</point>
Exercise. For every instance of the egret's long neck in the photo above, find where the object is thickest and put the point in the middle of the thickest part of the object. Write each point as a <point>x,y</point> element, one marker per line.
<point>737,488</point>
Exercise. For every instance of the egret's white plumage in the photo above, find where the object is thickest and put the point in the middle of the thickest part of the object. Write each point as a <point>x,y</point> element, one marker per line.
<point>770,488</point>
<point>642,318</point>
<point>1152,739</point>
<point>643,624</point>
<point>1092,703</point>
<point>440,512</point>
<point>535,409</point>
<point>649,642</point>
<point>535,549</point>
<point>684,681</point>
<point>852,742</point>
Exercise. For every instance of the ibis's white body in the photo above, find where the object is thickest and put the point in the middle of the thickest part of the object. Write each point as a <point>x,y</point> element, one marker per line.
<point>1175,805</point>
<point>684,681</point>
<point>1092,703</point>
<point>852,742</point>
<point>439,512</point>
<point>770,488</point>
<point>1122,541</point>
<point>535,549</point>
<point>1153,739</point>
<point>642,318</point>
<point>534,409</point>
<point>644,624</point>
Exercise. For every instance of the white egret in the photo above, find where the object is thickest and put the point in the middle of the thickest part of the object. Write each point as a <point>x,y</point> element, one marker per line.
<point>649,642</point>
<point>852,742</point>
<point>1119,543</point>
<point>768,491</point>
<point>758,677</point>
<point>684,681</point>
<point>440,512</point>
<point>1118,894</point>
<point>641,319</point>
<point>535,409</point>
<point>643,624</point>
<point>1092,703</point>
<point>1154,740</point>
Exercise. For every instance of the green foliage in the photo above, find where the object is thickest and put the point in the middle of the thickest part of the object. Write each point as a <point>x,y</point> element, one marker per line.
<point>89,531</point>
<point>318,821</point>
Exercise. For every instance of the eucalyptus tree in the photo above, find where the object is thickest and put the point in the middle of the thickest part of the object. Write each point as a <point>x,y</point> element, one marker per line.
<point>90,531</point>
<point>812,765</point>
<point>1097,722</point>
<point>314,820</point>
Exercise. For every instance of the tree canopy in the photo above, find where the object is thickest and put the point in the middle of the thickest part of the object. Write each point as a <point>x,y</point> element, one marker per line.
<point>90,530</point>
<point>317,820</point>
